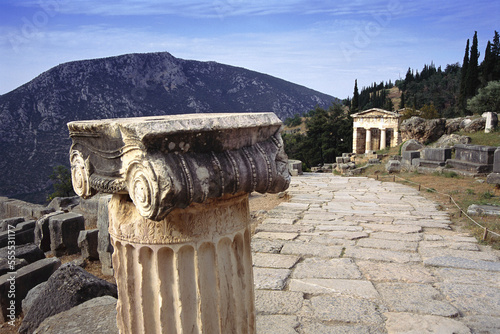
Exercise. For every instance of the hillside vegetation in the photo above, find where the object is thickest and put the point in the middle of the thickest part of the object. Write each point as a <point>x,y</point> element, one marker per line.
<point>447,91</point>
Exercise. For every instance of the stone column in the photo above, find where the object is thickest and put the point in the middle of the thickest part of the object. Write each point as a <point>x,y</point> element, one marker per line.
<point>383,138</point>
<point>354,140</point>
<point>368,146</point>
<point>396,137</point>
<point>179,216</point>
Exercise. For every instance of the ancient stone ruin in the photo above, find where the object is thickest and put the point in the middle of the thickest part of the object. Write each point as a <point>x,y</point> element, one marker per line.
<point>375,129</point>
<point>179,215</point>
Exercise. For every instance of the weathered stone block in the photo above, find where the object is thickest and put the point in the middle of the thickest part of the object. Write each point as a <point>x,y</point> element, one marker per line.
<point>69,286</point>
<point>64,231</point>
<point>87,241</point>
<point>411,145</point>
<point>491,121</point>
<point>393,166</point>
<point>104,246</point>
<point>29,252</point>
<point>32,295</point>
<point>64,203</point>
<point>25,279</point>
<point>97,315</point>
<point>23,233</point>
<point>7,266</point>
<point>436,154</point>
<point>488,210</point>
<point>409,156</point>
<point>475,153</point>
<point>42,232</point>
<point>496,161</point>
<point>295,165</point>
<point>4,223</point>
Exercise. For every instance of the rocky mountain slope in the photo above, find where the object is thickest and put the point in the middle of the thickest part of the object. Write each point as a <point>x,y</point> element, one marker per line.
<point>33,117</point>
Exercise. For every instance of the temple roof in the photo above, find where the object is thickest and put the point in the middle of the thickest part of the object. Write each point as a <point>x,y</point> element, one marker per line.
<point>376,112</point>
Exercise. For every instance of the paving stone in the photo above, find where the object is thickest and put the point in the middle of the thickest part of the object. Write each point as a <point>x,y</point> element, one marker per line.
<point>327,268</point>
<point>325,216</point>
<point>457,262</point>
<point>294,206</point>
<point>388,244</point>
<point>468,246</point>
<point>374,254</point>
<point>296,228</point>
<point>277,324</point>
<point>415,298</point>
<point>396,272</point>
<point>319,328</point>
<point>332,227</point>
<point>270,278</point>
<point>269,260</point>
<point>410,323</point>
<point>482,323</point>
<point>266,245</point>
<point>285,221</point>
<point>348,287</point>
<point>393,228</point>
<point>278,302</point>
<point>464,276</point>
<point>311,249</point>
<point>328,240</point>
<point>413,237</point>
<point>345,235</point>
<point>346,310</point>
<point>424,223</point>
<point>472,299</point>
<point>276,235</point>
<point>427,252</point>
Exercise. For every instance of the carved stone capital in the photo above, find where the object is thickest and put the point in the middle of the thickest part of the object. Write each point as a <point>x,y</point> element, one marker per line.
<point>169,162</point>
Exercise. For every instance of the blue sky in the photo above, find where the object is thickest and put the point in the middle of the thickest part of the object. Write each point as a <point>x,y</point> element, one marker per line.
<point>323,45</point>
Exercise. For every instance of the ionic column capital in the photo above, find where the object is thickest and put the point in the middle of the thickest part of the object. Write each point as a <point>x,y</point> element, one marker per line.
<point>169,162</point>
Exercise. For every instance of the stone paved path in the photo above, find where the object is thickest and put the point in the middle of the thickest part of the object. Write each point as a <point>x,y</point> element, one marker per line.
<point>355,255</point>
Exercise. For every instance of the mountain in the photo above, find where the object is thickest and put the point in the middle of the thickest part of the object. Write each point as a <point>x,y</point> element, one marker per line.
<point>33,133</point>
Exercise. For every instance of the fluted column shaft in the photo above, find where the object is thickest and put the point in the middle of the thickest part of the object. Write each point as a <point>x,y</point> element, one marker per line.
<point>190,273</point>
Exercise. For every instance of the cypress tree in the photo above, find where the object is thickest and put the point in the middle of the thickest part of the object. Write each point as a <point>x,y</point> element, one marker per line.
<point>462,97</point>
<point>472,76</point>
<point>402,102</point>
<point>495,56</point>
<point>487,65</point>
<point>355,98</point>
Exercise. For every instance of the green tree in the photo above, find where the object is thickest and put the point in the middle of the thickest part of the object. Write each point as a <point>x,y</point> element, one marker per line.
<point>462,98</point>
<point>429,111</point>
<point>487,65</point>
<point>472,76</point>
<point>296,120</point>
<point>328,135</point>
<point>61,178</point>
<point>495,55</point>
<point>402,102</point>
<point>355,98</point>
<point>487,99</point>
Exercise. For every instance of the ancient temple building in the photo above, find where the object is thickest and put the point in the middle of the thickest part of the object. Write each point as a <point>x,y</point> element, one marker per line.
<point>375,129</point>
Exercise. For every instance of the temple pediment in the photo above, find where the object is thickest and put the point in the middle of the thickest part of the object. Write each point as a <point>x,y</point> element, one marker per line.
<point>376,113</point>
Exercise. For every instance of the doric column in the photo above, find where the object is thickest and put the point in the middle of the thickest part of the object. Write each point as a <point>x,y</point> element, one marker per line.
<point>368,146</point>
<point>395,138</point>
<point>354,140</point>
<point>179,216</point>
<point>383,138</point>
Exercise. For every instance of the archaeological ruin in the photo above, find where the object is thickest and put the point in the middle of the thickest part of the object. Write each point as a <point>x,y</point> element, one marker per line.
<point>179,214</point>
